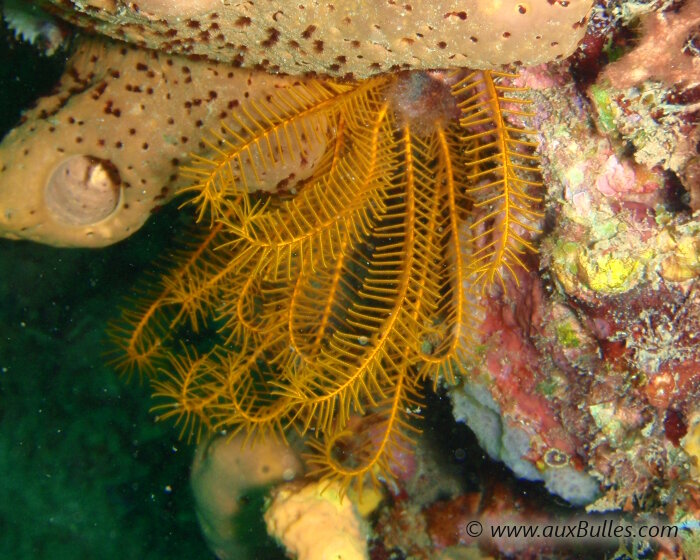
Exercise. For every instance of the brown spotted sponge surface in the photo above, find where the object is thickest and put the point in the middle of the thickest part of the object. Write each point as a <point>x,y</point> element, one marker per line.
<point>345,38</point>
<point>89,164</point>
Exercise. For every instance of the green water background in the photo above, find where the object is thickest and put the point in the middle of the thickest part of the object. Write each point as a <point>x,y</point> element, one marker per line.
<point>85,472</point>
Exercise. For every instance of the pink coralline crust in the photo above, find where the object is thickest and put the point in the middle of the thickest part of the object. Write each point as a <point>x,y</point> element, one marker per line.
<point>355,38</point>
<point>663,347</point>
<point>601,393</point>
<point>514,365</point>
<point>664,53</point>
<point>664,143</point>
<point>541,77</point>
<point>617,178</point>
<point>614,179</point>
<point>627,178</point>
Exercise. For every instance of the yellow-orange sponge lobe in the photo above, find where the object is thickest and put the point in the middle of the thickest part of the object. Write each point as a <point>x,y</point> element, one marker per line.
<point>357,38</point>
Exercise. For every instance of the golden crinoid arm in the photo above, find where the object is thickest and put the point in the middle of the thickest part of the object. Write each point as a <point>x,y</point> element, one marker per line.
<point>317,306</point>
<point>187,389</point>
<point>369,449</point>
<point>503,173</point>
<point>186,296</point>
<point>263,301</point>
<point>366,363</point>
<point>265,136</point>
<point>447,342</point>
<point>324,290</point>
<point>344,199</point>
<point>250,306</point>
<point>183,294</point>
<point>249,381</point>
<point>233,387</point>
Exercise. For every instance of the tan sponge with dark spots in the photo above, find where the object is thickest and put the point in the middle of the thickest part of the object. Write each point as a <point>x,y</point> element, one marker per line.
<point>89,164</point>
<point>349,38</point>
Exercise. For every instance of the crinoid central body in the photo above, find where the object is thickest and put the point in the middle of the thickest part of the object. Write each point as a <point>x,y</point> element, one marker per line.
<point>405,197</point>
<point>424,100</point>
